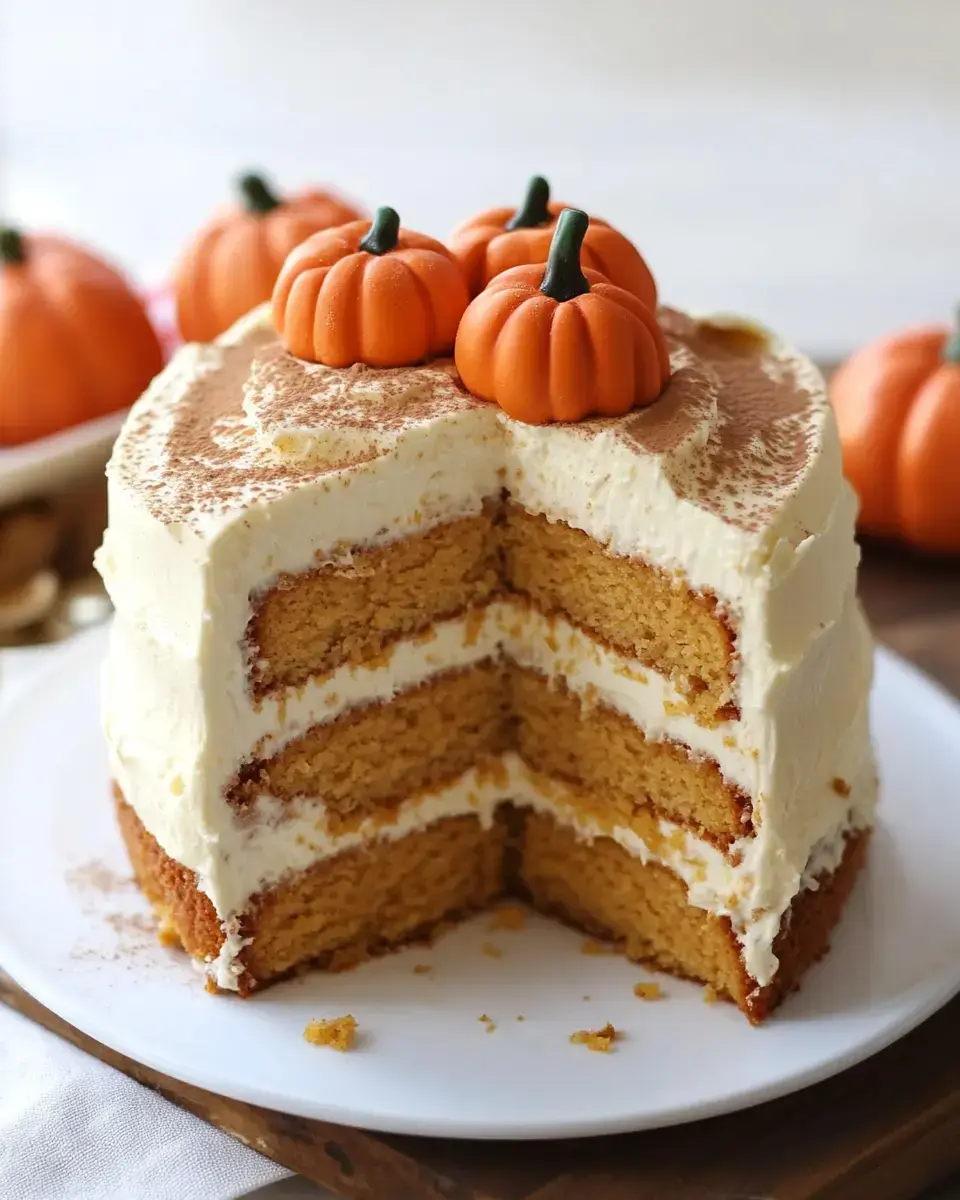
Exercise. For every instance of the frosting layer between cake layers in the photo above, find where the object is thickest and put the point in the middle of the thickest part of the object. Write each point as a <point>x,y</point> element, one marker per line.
<point>242,465</point>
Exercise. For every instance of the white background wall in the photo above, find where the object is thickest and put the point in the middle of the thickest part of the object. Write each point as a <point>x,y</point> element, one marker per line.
<point>798,160</point>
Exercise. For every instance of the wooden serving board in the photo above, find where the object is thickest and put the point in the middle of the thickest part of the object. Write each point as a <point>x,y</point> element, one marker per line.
<point>884,1130</point>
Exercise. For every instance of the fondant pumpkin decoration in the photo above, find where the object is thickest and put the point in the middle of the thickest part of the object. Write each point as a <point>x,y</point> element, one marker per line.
<point>501,238</point>
<point>559,343</point>
<point>369,293</point>
<point>75,340</point>
<point>898,411</point>
<point>231,265</point>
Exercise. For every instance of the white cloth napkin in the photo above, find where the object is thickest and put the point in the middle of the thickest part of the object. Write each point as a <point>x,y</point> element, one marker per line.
<point>72,1128</point>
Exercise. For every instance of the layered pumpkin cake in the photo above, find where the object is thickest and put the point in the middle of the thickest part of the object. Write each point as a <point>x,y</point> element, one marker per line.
<point>565,610</point>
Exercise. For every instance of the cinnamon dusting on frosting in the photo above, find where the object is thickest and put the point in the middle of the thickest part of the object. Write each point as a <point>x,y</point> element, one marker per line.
<point>200,445</point>
<point>737,425</point>
<point>302,408</point>
<point>242,422</point>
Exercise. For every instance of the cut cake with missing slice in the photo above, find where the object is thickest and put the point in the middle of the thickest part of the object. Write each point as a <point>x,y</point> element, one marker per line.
<point>382,654</point>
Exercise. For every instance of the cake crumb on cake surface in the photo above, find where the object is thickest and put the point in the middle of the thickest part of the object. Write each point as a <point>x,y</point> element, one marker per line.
<point>339,1033</point>
<point>600,1040</point>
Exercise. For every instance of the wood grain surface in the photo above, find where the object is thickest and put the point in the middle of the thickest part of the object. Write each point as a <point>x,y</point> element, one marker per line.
<point>883,1130</point>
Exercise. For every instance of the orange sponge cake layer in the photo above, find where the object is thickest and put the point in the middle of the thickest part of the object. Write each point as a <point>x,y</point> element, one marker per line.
<point>434,732</point>
<point>341,911</point>
<point>603,751</point>
<point>375,756</point>
<point>598,887</point>
<point>639,610</point>
<point>349,610</point>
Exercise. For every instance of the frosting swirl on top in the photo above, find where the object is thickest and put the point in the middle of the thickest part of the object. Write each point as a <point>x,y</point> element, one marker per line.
<point>241,422</point>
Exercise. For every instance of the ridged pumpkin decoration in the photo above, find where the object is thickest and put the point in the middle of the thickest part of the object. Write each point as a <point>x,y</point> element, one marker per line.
<point>558,343</point>
<point>898,410</point>
<point>369,293</point>
<point>75,340</point>
<point>231,265</point>
<point>501,238</point>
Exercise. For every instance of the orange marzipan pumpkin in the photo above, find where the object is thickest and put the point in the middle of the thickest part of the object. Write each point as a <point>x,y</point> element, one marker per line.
<point>369,293</point>
<point>897,403</point>
<point>75,340</point>
<point>558,343</point>
<point>232,263</point>
<point>501,238</point>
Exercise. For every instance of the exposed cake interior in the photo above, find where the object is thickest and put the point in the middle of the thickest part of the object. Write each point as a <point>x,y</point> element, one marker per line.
<point>382,654</point>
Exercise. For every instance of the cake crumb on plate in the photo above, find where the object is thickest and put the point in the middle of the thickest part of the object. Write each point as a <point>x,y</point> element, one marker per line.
<point>596,1039</point>
<point>648,991</point>
<point>507,916</point>
<point>589,946</point>
<point>339,1032</point>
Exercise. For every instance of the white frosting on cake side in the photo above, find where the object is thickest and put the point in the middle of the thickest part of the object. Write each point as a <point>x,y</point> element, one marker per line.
<point>213,495</point>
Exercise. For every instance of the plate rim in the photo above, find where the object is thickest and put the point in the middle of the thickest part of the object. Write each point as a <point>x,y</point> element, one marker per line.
<point>63,457</point>
<point>908,1011</point>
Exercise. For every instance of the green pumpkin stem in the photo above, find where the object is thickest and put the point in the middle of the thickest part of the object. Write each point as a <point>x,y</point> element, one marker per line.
<point>951,349</point>
<point>563,278</point>
<point>13,251</point>
<point>534,210</point>
<point>382,237</point>
<point>257,194</point>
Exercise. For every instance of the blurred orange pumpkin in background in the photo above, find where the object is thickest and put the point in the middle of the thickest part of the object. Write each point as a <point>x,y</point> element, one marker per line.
<point>75,340</point>
<point>232,263</point>
<point>897,403</point>
<point>501,238</point>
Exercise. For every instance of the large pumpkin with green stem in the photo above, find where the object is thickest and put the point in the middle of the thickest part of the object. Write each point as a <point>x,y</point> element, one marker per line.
<point>897,403</point>
<point>560,343</point>
<point>501,238</point>
<point>231,265</point>
<point>75,339</point>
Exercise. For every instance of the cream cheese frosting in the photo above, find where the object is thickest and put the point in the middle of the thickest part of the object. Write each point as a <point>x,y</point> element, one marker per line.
<point>241,463</point>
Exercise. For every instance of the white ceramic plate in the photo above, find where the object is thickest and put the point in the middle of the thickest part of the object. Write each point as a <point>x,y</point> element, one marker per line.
<point>74,932</point>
